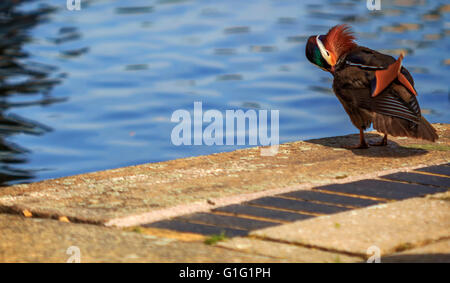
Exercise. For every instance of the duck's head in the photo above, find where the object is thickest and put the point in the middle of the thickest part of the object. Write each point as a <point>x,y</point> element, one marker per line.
<point>325,50</point>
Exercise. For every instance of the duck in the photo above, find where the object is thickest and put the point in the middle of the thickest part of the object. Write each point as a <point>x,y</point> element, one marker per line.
<point>374,88</point>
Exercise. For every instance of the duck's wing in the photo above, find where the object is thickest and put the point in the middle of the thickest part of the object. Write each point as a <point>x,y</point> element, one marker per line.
<point>394,109</point>
<point>386,69</point>
<point>354,84</point>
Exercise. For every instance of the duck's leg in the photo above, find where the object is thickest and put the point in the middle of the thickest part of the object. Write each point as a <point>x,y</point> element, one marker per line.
<point>362,142</point>
<point>383,142</point>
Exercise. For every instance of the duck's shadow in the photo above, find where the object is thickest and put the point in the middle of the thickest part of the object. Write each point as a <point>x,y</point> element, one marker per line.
<point>393,149</point>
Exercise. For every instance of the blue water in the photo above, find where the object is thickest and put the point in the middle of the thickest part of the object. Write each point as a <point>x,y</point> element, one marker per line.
<point>122,67</point>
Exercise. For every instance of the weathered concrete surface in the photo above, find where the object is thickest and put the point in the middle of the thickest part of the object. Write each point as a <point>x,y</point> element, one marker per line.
<point>435,252</point>
<point>440,196</point>
<point>391,227</point>
<point>284,251</point>
<point>103,196</point>
<point>42,240</point>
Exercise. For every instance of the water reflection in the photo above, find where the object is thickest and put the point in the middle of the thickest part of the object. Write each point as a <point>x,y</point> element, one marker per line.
<point>130,64</point>
<point>20,77</point>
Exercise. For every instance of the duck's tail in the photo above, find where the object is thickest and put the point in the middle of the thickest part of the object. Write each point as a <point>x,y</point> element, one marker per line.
<point>398,127</point>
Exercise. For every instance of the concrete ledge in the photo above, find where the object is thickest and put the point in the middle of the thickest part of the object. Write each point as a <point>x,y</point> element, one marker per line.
<point>150,192</point>
<point>403,230</point>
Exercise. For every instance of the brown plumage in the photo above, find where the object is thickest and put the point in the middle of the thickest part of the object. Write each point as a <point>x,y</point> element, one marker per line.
<point>373,87</point>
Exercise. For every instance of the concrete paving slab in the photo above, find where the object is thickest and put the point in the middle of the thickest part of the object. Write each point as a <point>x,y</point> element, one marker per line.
<point>292,253</point>
<point>419,179</point>
<point>391,227</point>
<point>440,169</point>
<point>438,252</point>
<point>151,192</point>
<point>43,240</point>
<point>381,189</point>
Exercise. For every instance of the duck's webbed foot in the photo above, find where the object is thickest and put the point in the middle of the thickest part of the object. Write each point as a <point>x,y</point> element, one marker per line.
<point>362,142</point>
<point>382,142</point>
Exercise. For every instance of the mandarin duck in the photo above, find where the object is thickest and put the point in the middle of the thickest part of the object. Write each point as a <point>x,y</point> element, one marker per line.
<point>374,88</point>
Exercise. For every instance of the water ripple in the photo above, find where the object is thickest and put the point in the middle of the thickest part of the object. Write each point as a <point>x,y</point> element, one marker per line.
<point>106,79</point>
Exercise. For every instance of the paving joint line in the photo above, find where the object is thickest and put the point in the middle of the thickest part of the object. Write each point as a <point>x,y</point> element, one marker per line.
<point>251,217</point>
<point>429,173</point>
<point>287,210</point>
<point>320,202</point>
<point>384,200</point>
<point>415,183</point>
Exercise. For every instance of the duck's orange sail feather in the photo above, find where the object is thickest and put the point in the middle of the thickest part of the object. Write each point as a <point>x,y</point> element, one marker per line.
<point>385,77</point>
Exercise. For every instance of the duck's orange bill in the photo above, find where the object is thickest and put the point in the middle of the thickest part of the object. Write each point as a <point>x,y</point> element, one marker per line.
<point>385,77</point>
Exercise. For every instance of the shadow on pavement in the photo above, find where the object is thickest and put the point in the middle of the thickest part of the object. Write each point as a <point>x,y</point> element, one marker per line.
<point>416,258</point>
<point>393,149</point>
